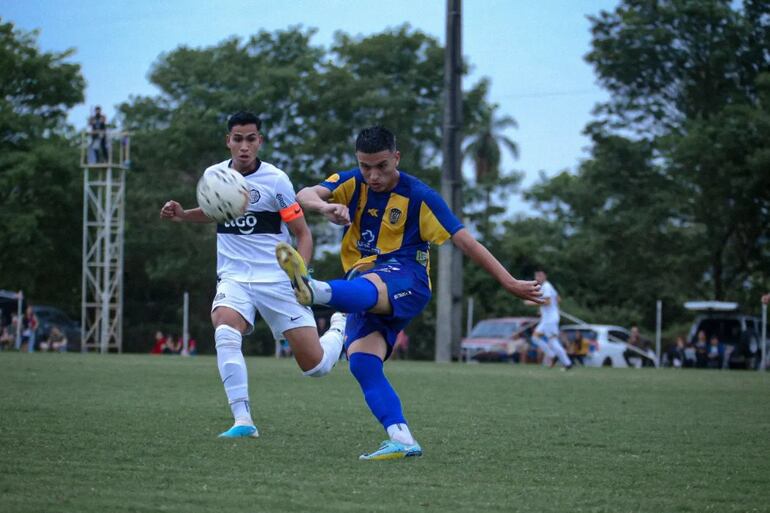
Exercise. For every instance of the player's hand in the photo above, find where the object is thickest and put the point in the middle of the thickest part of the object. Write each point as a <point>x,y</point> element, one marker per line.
<point>527,290</point>
<point>336,213</point>
<point>173,211</point>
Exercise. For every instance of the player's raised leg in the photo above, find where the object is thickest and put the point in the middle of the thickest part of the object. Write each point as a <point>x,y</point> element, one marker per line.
<point>317,356</point>
<point>365,293</point>
<point>295,323</point>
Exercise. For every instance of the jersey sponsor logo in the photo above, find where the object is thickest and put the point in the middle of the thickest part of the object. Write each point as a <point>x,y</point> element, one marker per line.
<point>254,196</point>
<point>372,212</point>
<point>281,200</point>
<point>394,216</point>
<point>366,243</point>
<point>251,223</point>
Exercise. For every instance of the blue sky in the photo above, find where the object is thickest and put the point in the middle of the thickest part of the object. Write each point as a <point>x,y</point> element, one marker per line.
<point>532,51</point>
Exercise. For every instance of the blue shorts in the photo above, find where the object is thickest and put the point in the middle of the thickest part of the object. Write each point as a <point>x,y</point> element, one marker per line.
<point>409,294</point>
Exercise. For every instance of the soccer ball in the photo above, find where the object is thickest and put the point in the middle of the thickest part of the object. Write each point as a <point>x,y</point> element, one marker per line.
<point>222,194</point>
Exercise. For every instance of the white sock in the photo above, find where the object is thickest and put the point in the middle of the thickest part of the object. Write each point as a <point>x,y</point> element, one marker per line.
<point>542,343</point>
<point>232,370</point>
<point>322,292</point>
<point>400,433</point>
<point>558,349</point>
<point>331,343</point>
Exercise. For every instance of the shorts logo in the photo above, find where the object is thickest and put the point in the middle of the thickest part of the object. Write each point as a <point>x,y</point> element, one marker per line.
<point>220,296</point>
<point>395,215</point>
<point>292,319</point>
<point>254,196</point>
<point>402,294</point>
<point>422,257</point>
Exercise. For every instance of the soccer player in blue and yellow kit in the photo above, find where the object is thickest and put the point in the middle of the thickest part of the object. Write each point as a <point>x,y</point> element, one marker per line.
<point>391,219</point>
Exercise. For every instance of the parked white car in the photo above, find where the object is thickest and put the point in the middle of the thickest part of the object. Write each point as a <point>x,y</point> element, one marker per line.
<point>608,346</point>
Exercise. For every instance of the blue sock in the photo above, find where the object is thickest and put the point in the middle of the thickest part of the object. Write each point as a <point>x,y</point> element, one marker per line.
<point>379,395</point>
<point>357,295</point>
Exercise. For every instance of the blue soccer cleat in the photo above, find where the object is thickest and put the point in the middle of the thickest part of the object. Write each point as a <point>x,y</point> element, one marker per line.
<point>240,431</point>
<point>293,265</point>
<point>392,450</point>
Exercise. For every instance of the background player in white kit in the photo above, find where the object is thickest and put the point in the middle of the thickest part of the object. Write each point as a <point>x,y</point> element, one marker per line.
<point>546,334</point>
<point>249,277</point>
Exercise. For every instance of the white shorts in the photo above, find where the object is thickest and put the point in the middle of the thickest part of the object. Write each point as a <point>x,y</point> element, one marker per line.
<point>548,328</point>
<point>274,301</point>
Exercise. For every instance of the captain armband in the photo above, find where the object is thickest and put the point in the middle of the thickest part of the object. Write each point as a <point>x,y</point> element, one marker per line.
<point>291,212</point>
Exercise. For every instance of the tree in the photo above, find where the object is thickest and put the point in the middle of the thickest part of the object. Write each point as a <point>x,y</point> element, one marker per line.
<point>40,182</point>
<point>485,139</point>
<point>689,77</point>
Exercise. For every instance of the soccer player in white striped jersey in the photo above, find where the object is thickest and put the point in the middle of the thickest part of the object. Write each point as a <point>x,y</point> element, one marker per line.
<point>546,333</point>
<point>249,278</point>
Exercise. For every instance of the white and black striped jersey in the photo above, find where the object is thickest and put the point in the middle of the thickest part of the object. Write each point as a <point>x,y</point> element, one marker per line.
<point>246,246</point>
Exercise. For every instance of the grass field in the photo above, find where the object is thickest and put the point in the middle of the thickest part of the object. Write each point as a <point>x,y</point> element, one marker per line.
<point>91,433</point>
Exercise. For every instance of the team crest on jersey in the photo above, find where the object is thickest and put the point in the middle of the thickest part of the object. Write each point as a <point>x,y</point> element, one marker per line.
<point>395,215</point>
<point>372,212</point>
<point>254,196</point>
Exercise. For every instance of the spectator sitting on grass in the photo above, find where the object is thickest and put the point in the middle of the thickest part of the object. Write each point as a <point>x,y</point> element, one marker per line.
<point>160,343</point>
<point>690,355</point>
<point>578,348</point>
<point>714,353</point>
<point>701,350</point>
<point>192,348</point>
<point>6,337</point>
<point>57,341</point>
<point>676,355</point>
<point>173,345</point>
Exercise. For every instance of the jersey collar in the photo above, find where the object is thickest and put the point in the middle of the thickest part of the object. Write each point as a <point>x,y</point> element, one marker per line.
<point>257,164</point>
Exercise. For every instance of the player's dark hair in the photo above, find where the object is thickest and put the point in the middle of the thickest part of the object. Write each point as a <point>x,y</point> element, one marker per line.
<point>540,269</point>
<point>243,118</point>
<point>375,139</point>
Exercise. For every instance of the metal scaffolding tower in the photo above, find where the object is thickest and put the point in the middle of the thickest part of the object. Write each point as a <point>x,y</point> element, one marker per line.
<point>104,162</point>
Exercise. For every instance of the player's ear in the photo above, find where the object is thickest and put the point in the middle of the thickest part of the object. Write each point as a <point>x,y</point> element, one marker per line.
<point>227,140</point>
<point>397,154</point>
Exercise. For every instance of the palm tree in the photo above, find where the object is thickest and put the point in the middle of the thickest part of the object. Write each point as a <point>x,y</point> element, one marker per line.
<point>483,149</point>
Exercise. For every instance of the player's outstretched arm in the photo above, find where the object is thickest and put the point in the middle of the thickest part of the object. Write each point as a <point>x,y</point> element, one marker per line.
<point>302,234</point>
<point>173,211</point>
<point>316,199</point>
<point>473,249</point>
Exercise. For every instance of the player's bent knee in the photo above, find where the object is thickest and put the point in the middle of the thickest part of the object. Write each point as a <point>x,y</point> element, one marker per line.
<point>227,337</point>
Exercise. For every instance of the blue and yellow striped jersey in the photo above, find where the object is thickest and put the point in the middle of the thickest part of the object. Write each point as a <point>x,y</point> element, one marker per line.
<point>400,224</point>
